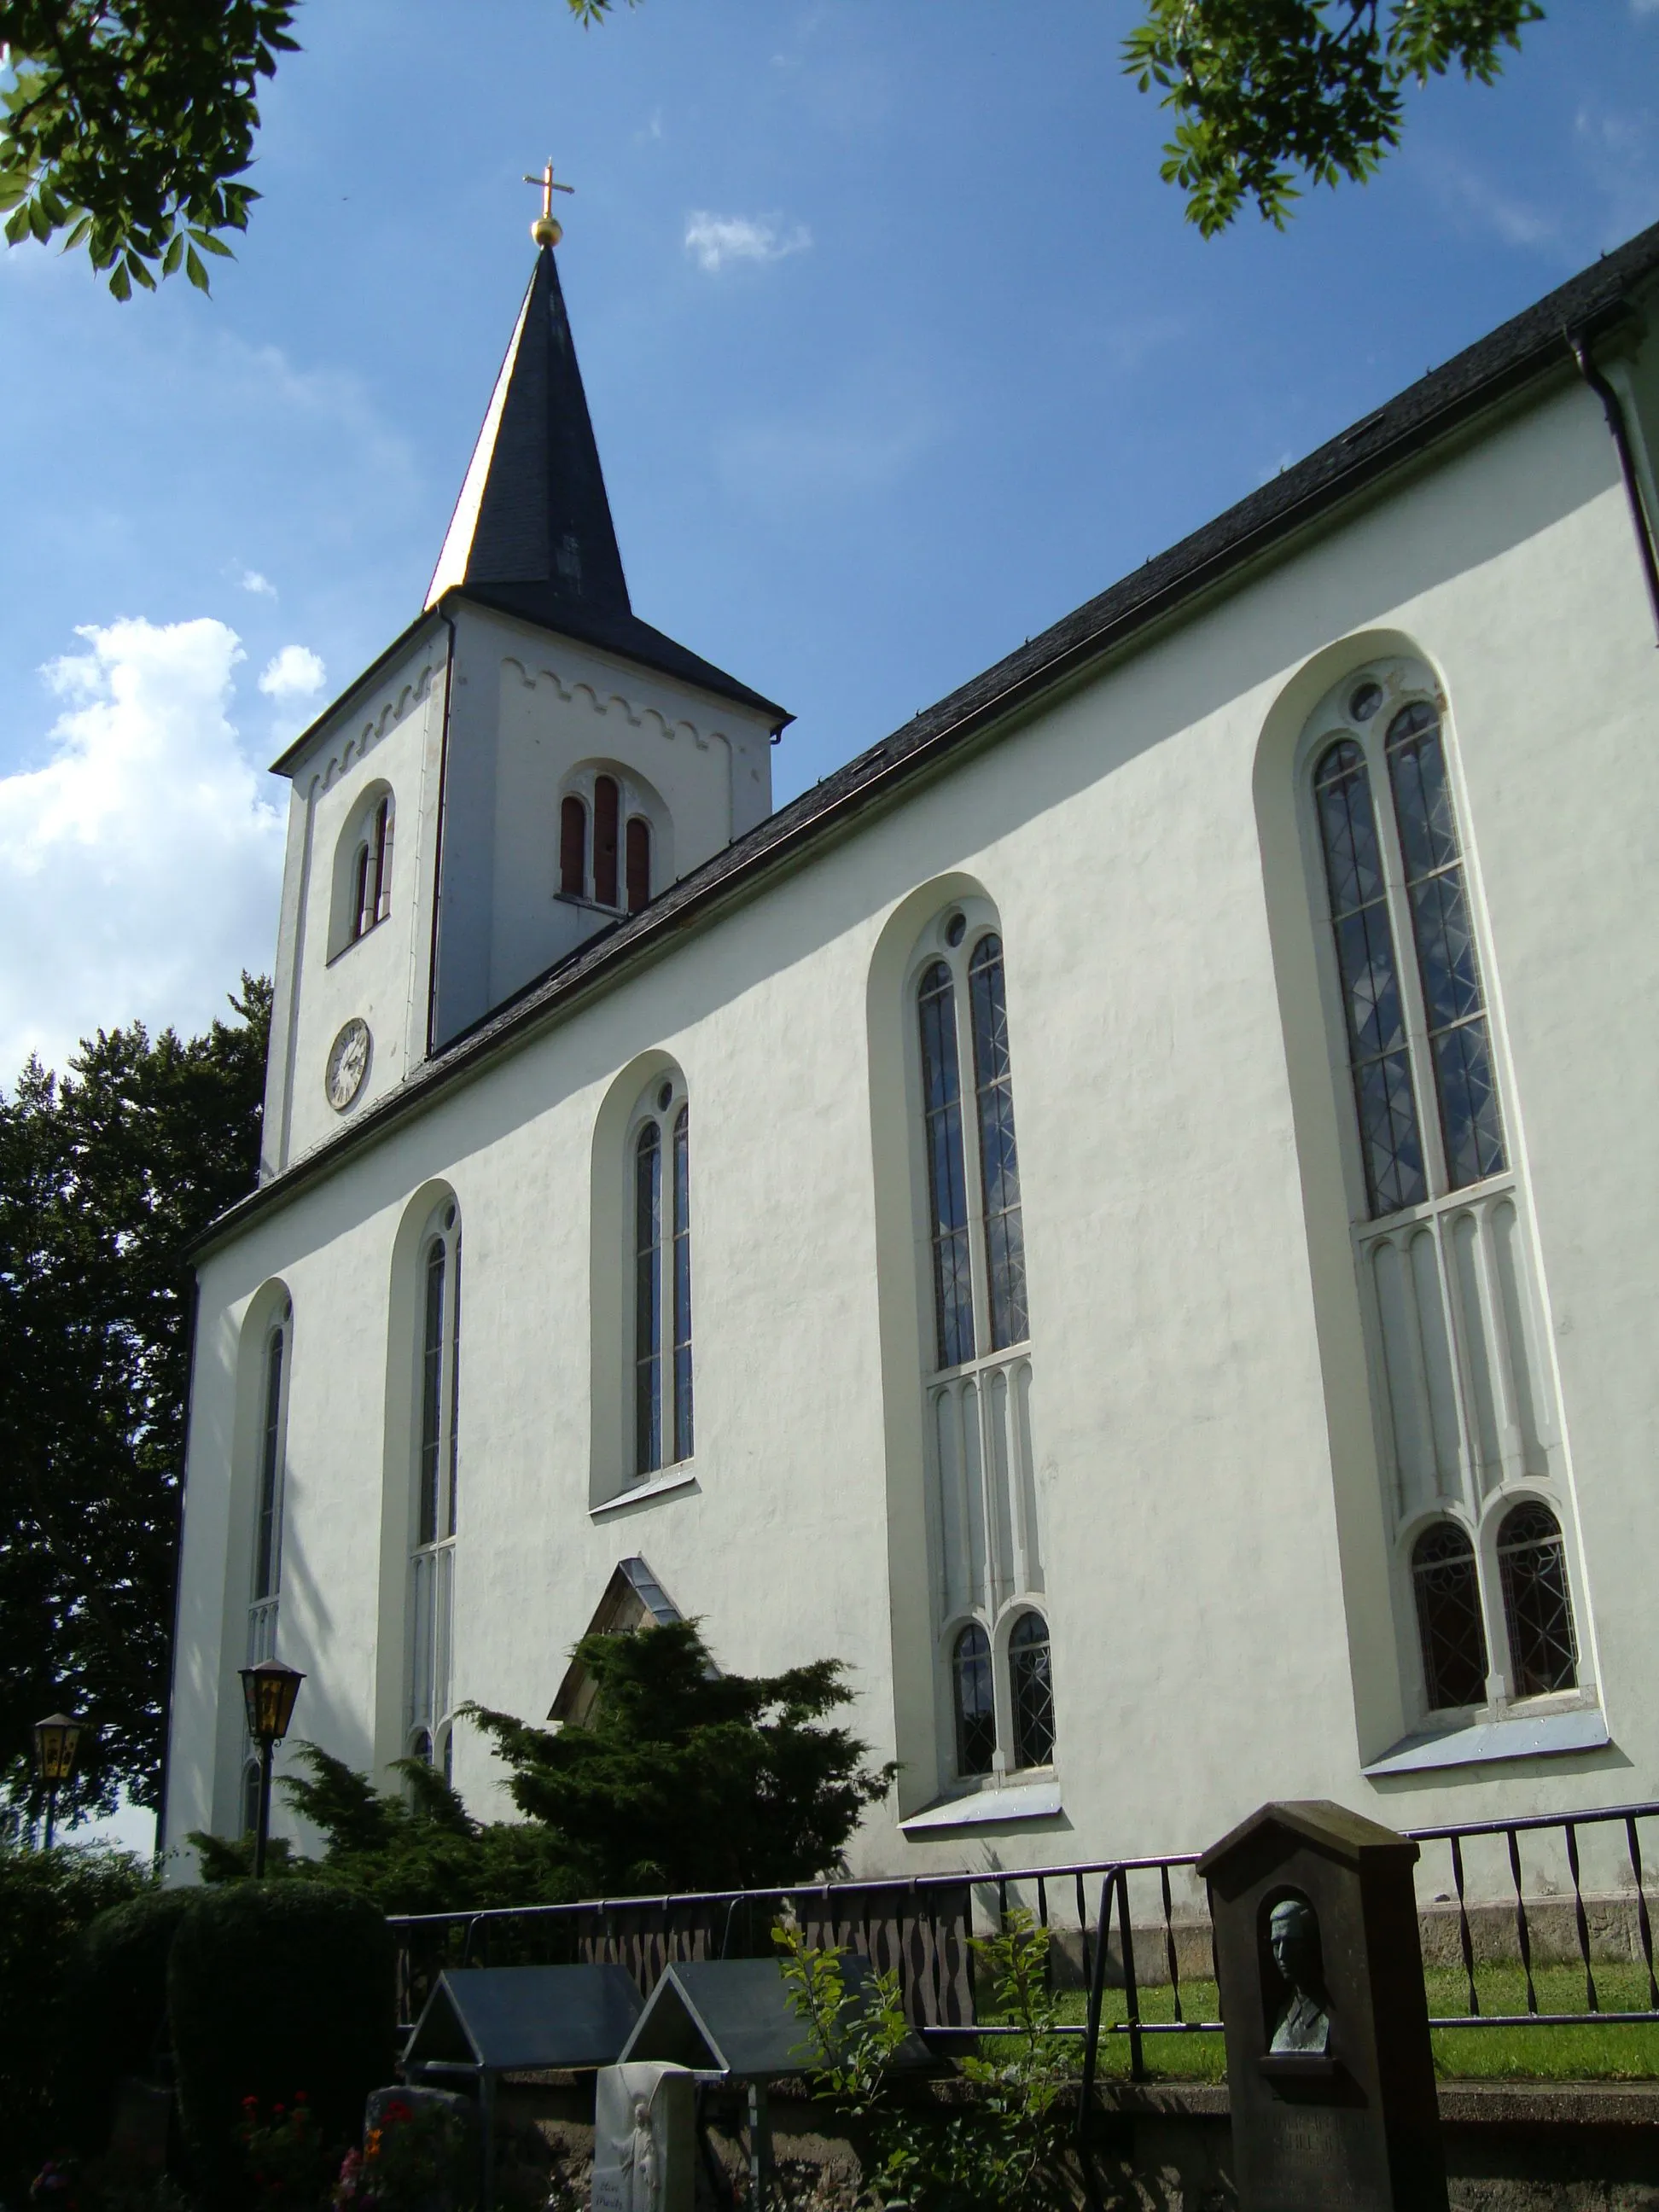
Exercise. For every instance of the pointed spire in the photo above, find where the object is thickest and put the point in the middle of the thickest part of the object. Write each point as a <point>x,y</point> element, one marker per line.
<point>533,513</point>
<point>531,533</point>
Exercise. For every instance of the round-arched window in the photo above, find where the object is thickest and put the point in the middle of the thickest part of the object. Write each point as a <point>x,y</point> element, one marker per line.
<point>1031,1685</point>
<point>1453,1640</point>
<point>975,1708</point>
<point>1533,1566</point>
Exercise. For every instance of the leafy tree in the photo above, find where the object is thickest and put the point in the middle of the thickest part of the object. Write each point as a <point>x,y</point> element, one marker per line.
<point>684,1778</point>
<point>1265,88</point>
<point>105,1178</point>
<point>128,125</point>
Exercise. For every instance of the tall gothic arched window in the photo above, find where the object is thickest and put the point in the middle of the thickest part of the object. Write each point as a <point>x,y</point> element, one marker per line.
<point>983,1510</point>
<point>661,1151</point>
<point>268,1496</point>
<point>1441,1236</point>
<point>437,1477</point>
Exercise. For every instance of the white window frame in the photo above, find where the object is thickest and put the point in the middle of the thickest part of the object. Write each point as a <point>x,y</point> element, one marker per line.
<point>1477,1317</point>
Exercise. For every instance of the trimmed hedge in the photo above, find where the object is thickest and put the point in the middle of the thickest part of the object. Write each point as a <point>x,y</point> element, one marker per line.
<point>112,2016</point>
<point>273,1988</point>
<point>46,1898</point>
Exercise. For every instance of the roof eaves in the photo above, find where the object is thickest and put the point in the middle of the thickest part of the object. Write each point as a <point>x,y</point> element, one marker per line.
<point>289,758</point>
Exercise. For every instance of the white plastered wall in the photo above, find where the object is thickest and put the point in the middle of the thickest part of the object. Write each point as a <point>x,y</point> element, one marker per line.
<point>1216,1588</point>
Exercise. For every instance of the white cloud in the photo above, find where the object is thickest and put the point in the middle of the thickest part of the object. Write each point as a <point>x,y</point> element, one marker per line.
<point>139,866</point>
<point>295,672</point>
<point>717,239</point>
<point>1480,204</point>
<point>260,586</point>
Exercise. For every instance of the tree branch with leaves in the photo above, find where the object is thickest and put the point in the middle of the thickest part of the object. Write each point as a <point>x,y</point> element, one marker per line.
<point>1264,90</point>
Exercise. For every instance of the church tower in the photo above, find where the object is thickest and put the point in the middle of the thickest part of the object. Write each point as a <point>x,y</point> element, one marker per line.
<point>527,766</point>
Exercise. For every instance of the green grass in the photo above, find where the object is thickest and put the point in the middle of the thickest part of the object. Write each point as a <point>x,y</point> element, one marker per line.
<point>1609,2053</point>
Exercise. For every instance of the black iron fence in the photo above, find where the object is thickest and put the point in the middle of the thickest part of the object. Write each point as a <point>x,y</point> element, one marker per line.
<point>1548,1890</point>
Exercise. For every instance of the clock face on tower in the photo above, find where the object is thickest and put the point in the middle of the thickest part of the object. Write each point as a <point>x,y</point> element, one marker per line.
<point>348,1064</point>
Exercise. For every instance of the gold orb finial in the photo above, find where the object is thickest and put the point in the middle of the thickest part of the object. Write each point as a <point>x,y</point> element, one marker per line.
<point>546,230</point>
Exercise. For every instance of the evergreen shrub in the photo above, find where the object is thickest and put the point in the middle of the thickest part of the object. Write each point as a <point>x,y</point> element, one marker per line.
<point>112,2017</point>
<point>275,1988</point>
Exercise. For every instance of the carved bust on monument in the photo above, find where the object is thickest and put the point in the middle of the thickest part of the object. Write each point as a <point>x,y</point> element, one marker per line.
<point>1304,2019</point>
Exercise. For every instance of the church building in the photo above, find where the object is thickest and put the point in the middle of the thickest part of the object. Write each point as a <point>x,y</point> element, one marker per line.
<point>1114,1214</point>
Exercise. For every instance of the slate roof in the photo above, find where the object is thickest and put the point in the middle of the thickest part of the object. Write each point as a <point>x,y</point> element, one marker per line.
<point>531,533</point>
<point>1529,350</point>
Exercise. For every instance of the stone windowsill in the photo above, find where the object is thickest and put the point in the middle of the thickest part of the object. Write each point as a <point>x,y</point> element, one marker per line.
<point>1015,1801</point>
<point>673,1479</point>
<point>1478,1743</point>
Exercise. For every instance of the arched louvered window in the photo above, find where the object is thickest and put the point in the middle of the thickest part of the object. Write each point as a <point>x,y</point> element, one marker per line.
<point>1447,1588</point>
<point>975,1704</point>
<point>573,848</point>
<point>371,875</point>
<point>663,1387</point>
<point>1537,1609</point>
<point>607,808</point>
<point>437,1478</point>
<point>638,859</point>
<point>1031,1691</point>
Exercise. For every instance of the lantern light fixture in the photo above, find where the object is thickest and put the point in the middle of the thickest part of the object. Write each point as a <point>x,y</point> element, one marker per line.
<point>268,1691</point>
<point>56,1748</point>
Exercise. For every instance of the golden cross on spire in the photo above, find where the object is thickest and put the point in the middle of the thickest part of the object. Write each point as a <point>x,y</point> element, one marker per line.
<point>546,230</point>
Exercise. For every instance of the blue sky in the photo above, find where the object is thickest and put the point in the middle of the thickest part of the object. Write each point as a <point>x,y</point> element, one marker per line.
<point>896,346</point>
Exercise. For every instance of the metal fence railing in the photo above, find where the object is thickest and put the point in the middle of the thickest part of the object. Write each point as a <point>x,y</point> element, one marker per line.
<point>1548,1890</point>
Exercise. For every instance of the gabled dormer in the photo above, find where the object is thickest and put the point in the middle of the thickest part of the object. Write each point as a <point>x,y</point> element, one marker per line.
<point>528,762</point>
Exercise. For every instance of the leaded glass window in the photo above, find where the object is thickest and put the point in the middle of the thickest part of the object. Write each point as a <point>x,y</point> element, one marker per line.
<point>976,1709</point>
<point>1031,1685</point>
<point>1378,1054</point>
<point>682,1284</point>
<point>947,1181</point>
<point>1537,1609</point>
<point>647,1300</point>
<point>439,1372</point>
<point>999,1159</point>
<point>664,1398</point>
<point>1454,1008</point>
<point>1454,1639</point>
<point>268,1541</point>
<point>430,1688</point>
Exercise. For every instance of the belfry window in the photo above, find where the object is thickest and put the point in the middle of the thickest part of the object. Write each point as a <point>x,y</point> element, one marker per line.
<point>663,1399</point>
<point>437,1469</point>
<point>606,856</point>
<point>372,877</point>
<point>1441,1232</point>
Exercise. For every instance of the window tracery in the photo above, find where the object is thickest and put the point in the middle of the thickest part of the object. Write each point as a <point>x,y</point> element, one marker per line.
<point>1465,1405</point>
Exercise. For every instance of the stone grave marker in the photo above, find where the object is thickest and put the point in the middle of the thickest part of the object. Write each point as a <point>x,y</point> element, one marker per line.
<point>1328,2063</point>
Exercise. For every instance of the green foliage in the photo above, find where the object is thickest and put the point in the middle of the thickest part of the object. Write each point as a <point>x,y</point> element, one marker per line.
<point>105,1176</point>
<point>411,2160</point>
<point>46,1899</point>
<point>416,1851</point>
<point>686,1779</point>
<point>128,126</point>
<point>1006,2148</point>
<point>287,2162</point>
<point>274,1987</point>
<point>1264,88</point>
<point>112,2012</point>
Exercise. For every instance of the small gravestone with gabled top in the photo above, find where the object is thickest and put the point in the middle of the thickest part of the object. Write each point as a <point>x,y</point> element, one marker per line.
<point>1329,2062</point>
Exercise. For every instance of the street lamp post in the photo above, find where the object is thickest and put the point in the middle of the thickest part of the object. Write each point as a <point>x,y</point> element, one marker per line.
<point>270,1690</point>
<point>56,1745</point>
